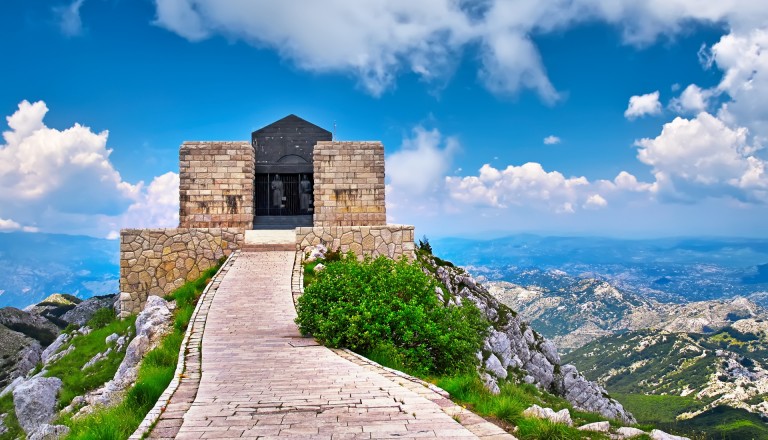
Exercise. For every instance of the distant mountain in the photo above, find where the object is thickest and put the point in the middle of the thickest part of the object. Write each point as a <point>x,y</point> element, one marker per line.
<point>667,270</point>
<point>574,311</point>
<point>695,376</point>
<point>35,265</point>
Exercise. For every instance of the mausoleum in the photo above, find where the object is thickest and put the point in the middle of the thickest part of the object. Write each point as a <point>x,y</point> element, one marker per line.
<point>291,176</point>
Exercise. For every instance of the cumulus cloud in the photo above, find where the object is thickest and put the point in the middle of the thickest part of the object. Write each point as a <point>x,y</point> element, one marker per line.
<point>70,22</point>
<point>703,157</point>
<point>378,39</point>
<point>63,180</point>
<point>552,140</point>
<point>525,185</point>
<point>9,225</point>
<point>641,105</point>
<point>422,161</point>
<point>693,100</point>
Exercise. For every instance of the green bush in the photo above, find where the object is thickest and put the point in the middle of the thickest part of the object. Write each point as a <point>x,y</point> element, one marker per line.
<point>391,305</point>
<point>101,318</point>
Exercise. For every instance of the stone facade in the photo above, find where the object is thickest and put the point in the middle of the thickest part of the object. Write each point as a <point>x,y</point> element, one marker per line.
<point>216,185</point>
<point>391,241</point>
<point>349,184</point>
<point>158,261</point>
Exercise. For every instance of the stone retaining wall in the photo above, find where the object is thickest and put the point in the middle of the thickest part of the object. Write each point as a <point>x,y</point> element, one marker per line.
<point>158,261</point>
<point>349,184</point>
<point>216,185</point>
<point>392,241</point>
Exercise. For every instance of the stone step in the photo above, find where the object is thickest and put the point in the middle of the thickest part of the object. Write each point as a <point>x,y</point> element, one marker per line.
<point>268,247</point>
<point>271,236</point>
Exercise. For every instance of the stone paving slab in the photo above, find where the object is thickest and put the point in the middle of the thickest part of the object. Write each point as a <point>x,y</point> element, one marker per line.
<point>261,379</point>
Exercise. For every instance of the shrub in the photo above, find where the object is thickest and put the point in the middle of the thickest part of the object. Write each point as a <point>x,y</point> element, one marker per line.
<point>101,318</point>
<point>390,305</point>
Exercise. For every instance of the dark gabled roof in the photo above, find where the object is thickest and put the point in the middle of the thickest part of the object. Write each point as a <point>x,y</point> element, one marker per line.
<point>291,124</point>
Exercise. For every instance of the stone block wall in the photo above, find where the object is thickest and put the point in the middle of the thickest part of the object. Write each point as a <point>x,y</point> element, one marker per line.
<point>392,241</point>
<point>158,261</point>
<point>349,184</point>
<point>216,185</point>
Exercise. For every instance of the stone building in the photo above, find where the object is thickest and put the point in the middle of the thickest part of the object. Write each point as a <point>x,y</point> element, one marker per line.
<point>291,175</point>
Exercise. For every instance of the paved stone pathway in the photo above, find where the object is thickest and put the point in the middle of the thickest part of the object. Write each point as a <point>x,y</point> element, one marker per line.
<point>261,379</point>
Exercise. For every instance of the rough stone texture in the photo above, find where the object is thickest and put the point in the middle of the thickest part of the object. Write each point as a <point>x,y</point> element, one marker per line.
<point>349,184</point>
<point>35,402</point>
<point>152,324</point>
<point>629,432</point>
<point>34,326</point>
<point>658,434</point>
<point>216,185</point>
<point>524,354</point>
<point>83,312</point>
<point>54,347</point>
<point>563,416</point>
<point>392,241</point>
<point>158,261</point>
<point>18,354</point>
<point>49,432</point>
<point>596,427</point>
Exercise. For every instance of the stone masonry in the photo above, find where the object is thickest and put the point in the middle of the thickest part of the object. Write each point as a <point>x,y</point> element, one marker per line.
<point>349,184</point>
<point>158,261</point>
<point>216,185</point>
<point>391,241</point>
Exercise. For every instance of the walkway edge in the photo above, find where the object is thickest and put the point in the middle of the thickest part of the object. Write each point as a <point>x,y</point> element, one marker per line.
<point>146,425</point>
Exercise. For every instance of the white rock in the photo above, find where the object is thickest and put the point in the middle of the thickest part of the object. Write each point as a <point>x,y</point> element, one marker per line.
<point>55,346</point>
<point>493,366</point>
<point>629,432</point>
<point>16,382</point>
<point>563,416</point>
<point>658,434</point>
<point>112,338</point>
<point>35,402</point>
<point>319,268</point>
<point>596,427</point>
<point>49,432</point>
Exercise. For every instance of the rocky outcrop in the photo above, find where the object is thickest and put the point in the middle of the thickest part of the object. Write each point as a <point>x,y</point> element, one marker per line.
<point>49,432</point>
<point>152,324</point>
<point>35,402</point>
<point>34,326</point>
<point>18,354</point>
<point>52,307</point>
<point>83,312</point>
<point>514,351</point>
<point>563,416</point>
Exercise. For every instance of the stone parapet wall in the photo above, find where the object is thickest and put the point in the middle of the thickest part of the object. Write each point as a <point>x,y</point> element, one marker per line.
<point>349,184</point>
<point>158,261</point>
<point>391,241</point>
<point>216,185</point>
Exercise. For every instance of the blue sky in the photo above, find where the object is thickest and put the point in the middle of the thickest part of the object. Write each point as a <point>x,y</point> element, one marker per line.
<point>558,117</point>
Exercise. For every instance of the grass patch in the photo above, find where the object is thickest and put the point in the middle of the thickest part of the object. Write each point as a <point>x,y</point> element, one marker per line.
<point>155,373</point>
<point>507,407</point>
<point>10,422</point>
<point>76,380</point>
<point>657,409</point>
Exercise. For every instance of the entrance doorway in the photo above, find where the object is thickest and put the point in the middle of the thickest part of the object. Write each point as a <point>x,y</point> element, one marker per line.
<point>283,194</point>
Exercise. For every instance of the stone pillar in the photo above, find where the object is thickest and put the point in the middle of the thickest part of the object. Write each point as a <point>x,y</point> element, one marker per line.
<point>216,185</point>
<point>349,184</point>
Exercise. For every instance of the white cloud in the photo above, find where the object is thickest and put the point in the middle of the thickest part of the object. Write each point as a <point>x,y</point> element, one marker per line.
<point>525,185</point>
<point>422,161</point>
<point>693,100</point>
<point>552,140</point>
<point>63,181</point>
<point>703,157</point>
<point>376,40</point>
<point>9,225</point>
<point>642,105</point>
<point>595,201</point>
<point>70,22</point>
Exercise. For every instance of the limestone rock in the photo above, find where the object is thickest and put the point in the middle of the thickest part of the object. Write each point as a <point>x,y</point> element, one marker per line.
<point>563,416</point>
<point>319,268</point>
<point>35,402</point>
<point>18,354</point>
<point>596,427</point>
<point>152,324</point>
<point>629,432</point>
<point>83,312</point>
<point>54,347</point>
<point>512,343</point>
<point>34,326</point>
<point>49,432</point>
<point>657,434</point>
<point>3,428</point>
